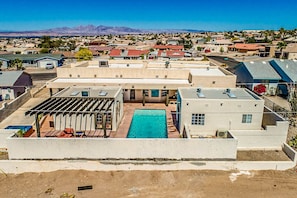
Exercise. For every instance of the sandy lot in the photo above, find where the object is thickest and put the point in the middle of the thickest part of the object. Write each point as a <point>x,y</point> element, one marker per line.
<point>151,184</point>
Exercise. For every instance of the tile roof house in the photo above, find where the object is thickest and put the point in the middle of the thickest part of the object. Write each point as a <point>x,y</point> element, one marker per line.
<point>100,50</point>
<point>171,54</point>
<point>257,73</point>
<point>245,48</point>
<point>13,84</point>
<point>169,47</point>
<point>128,54</point>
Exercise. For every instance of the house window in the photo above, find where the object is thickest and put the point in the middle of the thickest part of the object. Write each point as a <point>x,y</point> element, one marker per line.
<point>247,118</point>
<point>155,93</point>
<point>198,119</point>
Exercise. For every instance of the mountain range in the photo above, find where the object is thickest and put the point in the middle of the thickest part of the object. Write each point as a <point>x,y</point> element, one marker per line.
<point>90,30</point>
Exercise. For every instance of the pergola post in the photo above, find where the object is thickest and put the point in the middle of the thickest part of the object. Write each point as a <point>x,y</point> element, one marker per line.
<point>104,125</point>
<point>37,125</point>
<point>167,98</point>
<point>51,91</point>
<point>143,98</point>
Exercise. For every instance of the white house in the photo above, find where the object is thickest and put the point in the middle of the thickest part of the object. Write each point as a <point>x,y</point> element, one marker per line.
<point>208,110</point>
<point>230,113</point>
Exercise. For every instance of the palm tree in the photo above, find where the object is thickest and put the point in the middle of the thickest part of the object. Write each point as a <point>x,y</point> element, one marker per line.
<point>281,45</point>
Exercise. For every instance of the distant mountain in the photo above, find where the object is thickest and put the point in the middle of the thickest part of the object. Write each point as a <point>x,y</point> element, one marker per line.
<point>89,30</point>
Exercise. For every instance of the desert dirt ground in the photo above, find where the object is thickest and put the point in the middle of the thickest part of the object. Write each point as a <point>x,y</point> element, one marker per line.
<point>157,184</point>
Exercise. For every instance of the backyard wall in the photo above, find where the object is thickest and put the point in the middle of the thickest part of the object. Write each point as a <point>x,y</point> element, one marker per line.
<point>4,134</point>
<point>272,138</point>
<point>9,108</point>
<point>95,148</point>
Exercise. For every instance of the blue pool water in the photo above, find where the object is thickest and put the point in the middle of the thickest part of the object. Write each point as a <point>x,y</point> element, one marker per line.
<point>23,128</point>
<point>148,123</point>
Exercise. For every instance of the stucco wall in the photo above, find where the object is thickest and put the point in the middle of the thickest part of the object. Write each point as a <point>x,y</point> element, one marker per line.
<point>217,81</point>
<point>5,133</point>
<point>94,148</point>
<point>14,105</point>
<point>271,138</point>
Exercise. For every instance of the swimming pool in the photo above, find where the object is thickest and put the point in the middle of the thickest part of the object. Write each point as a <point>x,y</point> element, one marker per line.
<point>148,123</point>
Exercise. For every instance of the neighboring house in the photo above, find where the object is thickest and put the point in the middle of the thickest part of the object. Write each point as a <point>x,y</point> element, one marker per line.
<point>174,41</point>
<point>218,46</point>
<point>170,54</point>
<point>13,84</point>
<point>120,54</point>
<point>246,48</point>
<point>32,51</point>
<point>143,81</point>
<point>169,47</point>
<point>33,60</point>
<point>254,73</point>
<point>290,52</point>
<point>229,113</point>
<point>100,50</point>
<point>287,69</point>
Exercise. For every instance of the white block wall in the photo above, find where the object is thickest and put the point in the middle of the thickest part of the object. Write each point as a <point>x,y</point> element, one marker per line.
<point>95,148</point>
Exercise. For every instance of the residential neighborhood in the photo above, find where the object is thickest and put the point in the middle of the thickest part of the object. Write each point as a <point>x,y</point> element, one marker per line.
<point>206,96</point>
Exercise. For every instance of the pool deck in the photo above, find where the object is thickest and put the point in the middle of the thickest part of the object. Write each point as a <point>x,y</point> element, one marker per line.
<point>47,131</point>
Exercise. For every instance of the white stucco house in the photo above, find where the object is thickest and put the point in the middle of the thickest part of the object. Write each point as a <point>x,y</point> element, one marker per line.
<point>235,112</point>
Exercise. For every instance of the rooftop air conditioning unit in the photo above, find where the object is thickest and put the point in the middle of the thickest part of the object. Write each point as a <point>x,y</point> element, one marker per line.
<point>222,133</point>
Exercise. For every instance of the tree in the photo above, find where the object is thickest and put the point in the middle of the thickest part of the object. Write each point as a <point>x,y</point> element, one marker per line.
<point>84,54</point>
<point>251,40</point>
<point>1,63</point>
<point>222,50</point>
<point>281,45</point>
<point>16,63</point>
<point>44,51</point>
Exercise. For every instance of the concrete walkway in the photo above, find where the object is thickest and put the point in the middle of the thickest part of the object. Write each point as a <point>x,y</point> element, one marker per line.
<point>18,117</point>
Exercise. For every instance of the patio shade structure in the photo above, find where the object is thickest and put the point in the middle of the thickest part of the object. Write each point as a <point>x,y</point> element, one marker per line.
<point>72,106</point>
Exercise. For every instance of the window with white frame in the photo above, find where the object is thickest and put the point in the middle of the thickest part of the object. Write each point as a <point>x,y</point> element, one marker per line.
<point>198,119</point>
<point>247,118</point>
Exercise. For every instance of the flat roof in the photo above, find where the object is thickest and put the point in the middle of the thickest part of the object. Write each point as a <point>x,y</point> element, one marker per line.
<point>93,92</point>
<point>123,81</point>
<point>207,72</point>
<point>119,65</point>
<point>217,93</point>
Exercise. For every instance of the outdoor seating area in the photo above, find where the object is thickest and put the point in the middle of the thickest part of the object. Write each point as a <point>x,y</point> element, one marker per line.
<point>47,128</point>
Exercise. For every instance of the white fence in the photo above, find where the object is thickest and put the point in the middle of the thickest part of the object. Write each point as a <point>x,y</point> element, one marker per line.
<point>116,148</point>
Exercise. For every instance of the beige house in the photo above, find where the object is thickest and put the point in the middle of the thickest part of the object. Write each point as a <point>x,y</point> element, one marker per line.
<point>143,81</point>
<point>204,111</point>
<point>229,113</point>
<point>290,52</point>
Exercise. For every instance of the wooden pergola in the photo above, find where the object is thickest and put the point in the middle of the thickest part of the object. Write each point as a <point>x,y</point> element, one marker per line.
<point>72,105</point>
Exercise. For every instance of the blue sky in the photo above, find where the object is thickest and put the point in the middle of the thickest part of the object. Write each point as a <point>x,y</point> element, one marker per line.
<point>215,15</point>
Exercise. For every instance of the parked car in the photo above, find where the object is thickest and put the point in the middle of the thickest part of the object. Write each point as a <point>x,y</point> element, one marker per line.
<point>49,66</point>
